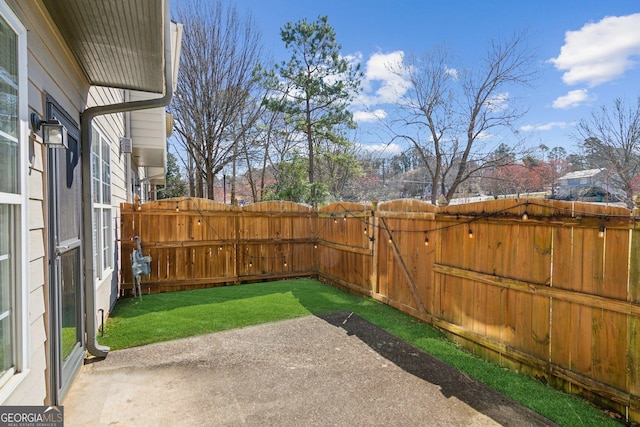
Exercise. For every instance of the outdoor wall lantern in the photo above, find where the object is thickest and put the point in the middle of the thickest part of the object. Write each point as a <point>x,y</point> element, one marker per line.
<point>54,134</point>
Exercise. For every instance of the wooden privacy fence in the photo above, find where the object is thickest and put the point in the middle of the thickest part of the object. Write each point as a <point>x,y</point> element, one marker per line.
<point>546,287</point>
<point>196,243</point>
<point>554,293</point>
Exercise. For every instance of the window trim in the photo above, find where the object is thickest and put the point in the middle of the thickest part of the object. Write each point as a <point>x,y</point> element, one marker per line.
<point>98,219</point>
<point>19,201</point>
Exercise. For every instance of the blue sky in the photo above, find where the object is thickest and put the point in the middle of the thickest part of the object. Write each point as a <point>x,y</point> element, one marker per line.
<point>588,51</point>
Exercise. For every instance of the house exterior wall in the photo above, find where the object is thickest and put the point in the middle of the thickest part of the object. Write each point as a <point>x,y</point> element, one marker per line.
<point>49,70</point>
<point>52,70</point>
<point>584,178</point>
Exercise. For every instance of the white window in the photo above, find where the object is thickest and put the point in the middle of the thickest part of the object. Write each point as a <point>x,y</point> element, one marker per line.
<point>13,254</point>
<point>7,285</point>
<point>101,189</point>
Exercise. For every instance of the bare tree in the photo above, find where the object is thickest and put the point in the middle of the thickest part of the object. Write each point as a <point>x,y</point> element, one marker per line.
<point>220,51</point>
<point>610,138</point>
<point>269,144</point>
<point>338,165</point>
<point>449,114</point>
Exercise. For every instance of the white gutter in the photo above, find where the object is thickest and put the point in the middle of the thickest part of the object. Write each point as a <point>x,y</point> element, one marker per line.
<point>149,178</point>
<point>87,206</point>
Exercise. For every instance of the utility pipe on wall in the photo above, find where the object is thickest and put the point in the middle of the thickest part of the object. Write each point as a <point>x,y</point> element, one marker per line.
<point>86,118</point>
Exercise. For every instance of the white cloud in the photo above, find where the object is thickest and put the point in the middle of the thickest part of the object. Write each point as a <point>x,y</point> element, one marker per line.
<point>498,102</point>
<point>384,83</point>
<point>600,51</point>
<point>484,136</point>
<point>354,59</point>
<point>547,126</point>
<point>384,150</point>
<point>453,73</point>
<point>572,99</point>
<point>369,116</point>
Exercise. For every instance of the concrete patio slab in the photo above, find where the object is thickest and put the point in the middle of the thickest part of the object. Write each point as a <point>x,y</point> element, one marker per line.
<point>336,370</point>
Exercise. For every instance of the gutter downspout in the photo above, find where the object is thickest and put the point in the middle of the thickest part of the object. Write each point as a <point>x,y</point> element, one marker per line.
<point>87,206</point>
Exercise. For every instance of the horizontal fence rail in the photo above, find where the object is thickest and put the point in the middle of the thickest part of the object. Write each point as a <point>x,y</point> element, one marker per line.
<point>550,288</point>
<point>195,243</point>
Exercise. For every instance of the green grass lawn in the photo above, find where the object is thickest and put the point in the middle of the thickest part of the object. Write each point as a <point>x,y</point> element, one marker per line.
<point>168,316</point>
<point>69,340</point>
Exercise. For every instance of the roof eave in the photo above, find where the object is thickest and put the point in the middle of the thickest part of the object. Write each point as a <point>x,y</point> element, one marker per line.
<point>117,44</point>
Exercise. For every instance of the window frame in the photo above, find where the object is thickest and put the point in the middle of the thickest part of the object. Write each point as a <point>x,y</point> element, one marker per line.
<point>18,203</point>
<point>102,247</point>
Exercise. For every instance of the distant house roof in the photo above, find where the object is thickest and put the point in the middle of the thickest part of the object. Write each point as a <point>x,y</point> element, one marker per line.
<point>588,173</point>
<point>572,184</point>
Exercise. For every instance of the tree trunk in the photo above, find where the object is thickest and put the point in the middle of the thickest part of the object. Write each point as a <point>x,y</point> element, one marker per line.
<point>211,194</point>
<point>311,153</point>
<point>199,189</point>
<point>233,173</point>
<point>192,178</point>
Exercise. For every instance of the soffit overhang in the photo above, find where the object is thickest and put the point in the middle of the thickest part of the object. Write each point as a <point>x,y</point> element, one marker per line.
<point>117,43</point>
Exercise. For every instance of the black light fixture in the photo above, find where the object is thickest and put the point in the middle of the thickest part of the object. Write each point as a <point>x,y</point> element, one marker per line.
<point>54,134</point>
<point>525,214</point>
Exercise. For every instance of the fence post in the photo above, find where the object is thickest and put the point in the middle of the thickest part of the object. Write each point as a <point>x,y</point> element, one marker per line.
<point>315,227</point>
<point>373,242</point>
<point>633,340</point>
<point>236,242</point>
